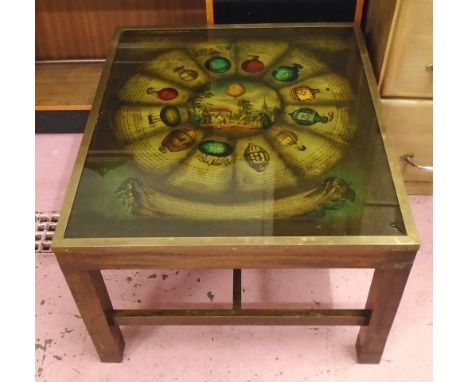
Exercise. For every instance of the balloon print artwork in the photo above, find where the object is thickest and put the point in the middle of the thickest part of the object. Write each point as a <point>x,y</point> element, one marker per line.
<point>165,94</point>
<point>254,65</point>
<point>235,130</point>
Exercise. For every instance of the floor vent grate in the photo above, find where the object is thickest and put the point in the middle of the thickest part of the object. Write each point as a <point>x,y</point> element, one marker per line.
<point>46,222</point>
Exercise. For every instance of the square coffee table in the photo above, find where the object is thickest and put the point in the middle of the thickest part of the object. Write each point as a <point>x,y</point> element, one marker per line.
<point>252,146</point>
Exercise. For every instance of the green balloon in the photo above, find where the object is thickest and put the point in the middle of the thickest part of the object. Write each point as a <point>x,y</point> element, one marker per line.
<point>287,73</point>
<point>215,148</point>
<point>218,64</point>
<point>307,117</point>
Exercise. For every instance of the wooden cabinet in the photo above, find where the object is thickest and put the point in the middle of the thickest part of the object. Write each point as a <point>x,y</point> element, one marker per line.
<point>76,29</point>
<point>410,52</point>
<point>66,86</point>
<point>399,38</point>
<point>409,129</point>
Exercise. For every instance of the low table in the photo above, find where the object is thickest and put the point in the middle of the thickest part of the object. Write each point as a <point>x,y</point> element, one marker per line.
<point>252,146</point>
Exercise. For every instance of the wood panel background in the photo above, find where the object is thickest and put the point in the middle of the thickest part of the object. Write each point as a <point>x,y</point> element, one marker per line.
<point>77,29</point>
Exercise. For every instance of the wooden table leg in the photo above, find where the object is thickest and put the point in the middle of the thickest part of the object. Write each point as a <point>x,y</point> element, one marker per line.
<point>90,294</point>
<point>384,297</point>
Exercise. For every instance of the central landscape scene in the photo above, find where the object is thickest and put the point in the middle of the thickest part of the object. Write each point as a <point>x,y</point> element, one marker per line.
<point>235,107</point>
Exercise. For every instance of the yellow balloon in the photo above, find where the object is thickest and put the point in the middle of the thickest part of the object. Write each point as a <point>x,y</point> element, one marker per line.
<point>234,90</point>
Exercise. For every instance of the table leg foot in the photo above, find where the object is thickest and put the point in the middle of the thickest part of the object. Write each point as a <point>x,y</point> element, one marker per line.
<point>93,302</point>
<point>384,298</point>
<point>366,357</point>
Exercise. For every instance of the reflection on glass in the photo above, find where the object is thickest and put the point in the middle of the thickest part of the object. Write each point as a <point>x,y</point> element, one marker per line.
<point>241,132</point>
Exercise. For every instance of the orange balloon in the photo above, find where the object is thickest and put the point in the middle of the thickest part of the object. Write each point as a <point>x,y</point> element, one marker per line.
<point>234,90</point>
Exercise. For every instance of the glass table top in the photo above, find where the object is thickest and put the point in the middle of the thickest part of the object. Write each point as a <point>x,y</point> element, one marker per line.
<point>235,132</point>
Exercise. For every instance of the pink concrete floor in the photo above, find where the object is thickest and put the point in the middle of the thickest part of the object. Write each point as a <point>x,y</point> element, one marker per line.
<point>64,351</point>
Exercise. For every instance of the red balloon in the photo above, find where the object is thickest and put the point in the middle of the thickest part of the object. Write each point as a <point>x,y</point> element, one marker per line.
<point>254,65</point>
<point>165,94</point>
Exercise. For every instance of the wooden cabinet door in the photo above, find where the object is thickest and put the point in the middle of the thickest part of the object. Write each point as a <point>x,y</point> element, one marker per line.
<point>69,29</point>
<point>408,124</point>
<point>410,52</point>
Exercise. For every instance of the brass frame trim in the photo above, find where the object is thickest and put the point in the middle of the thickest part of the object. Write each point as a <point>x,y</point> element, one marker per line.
<point>351,317</point>
<point>62,107</point>
<point>409,242</point>
<point>393,160</point>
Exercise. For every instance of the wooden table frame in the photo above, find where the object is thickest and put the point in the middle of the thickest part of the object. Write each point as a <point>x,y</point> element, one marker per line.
<point>391,257</point>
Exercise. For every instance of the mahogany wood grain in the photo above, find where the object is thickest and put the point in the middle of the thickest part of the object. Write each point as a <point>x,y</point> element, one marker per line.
<point>250,258</point>
<point>384,298</point>
<point>93,302</point>
<point>84,29</point>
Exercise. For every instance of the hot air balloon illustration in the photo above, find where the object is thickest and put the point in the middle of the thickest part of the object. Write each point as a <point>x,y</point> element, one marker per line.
<point>289,138</point>
<point>234,90</point>
<point>170,115</point>
<point>165,94</point>
<point>186,74</point>
<point>304,93</point>
<point>287,73</point>
<point>218,63</point>
<point>178,140</point>
<point>254,65</point>
<point>215,148</point>
<point>307,117</point>
<point>257,157</point>
<point>215,153</point>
